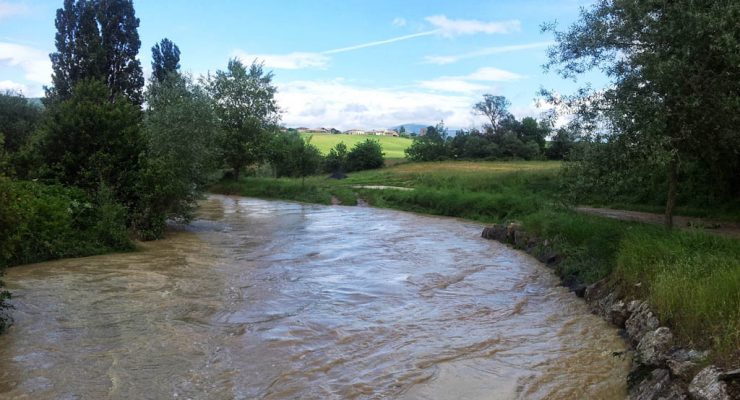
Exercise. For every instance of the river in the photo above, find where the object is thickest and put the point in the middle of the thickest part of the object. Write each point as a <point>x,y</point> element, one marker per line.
<point>275,300</point>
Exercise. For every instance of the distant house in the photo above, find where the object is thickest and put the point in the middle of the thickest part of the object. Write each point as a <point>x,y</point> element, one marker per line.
<point>356,132</point>
<point>303,129</point>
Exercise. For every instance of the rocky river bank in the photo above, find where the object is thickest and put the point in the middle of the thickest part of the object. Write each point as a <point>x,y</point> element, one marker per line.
<point>660,368</point>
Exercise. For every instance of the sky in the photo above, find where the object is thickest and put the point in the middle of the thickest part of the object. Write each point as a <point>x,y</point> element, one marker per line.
<point>338,64</point>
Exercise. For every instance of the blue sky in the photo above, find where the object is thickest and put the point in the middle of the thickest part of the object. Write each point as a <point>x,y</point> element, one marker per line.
<point>344,64</point>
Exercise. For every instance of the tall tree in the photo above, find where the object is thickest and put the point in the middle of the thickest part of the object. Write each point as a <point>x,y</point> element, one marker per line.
<point>495,108</point>
<point>676,73</point>
<point>246,107</point>
<point>120,41</point>
<point>98,40</point>
<point>79,53</point>
<point>165,59</point>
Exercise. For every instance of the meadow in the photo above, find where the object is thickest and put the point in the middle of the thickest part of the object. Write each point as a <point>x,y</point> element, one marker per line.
<point>691,278</point>
<point>393,147</point>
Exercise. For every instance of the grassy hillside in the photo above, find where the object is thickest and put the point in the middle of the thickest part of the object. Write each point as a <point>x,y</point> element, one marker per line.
<point>393,147</point>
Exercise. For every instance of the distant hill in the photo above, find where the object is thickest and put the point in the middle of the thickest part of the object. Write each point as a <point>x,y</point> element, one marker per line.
<point>410,128</point>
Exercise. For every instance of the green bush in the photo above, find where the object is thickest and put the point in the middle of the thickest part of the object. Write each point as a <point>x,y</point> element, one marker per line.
<point>45,222</point>
<point>365,155</point>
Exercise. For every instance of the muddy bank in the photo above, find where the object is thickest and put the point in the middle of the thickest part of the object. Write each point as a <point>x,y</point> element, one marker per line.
<point>660,368</point>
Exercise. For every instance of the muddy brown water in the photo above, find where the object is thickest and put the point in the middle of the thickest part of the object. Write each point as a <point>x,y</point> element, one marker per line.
<point>274,300</point>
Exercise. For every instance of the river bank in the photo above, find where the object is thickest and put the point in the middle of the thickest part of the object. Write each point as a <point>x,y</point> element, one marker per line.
<point>689,279</point>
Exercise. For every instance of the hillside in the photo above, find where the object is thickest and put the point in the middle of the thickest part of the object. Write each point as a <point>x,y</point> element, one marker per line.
<point>393,147</point>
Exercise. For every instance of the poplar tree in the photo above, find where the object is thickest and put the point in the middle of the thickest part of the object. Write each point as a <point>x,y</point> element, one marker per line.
<point>165,59</point>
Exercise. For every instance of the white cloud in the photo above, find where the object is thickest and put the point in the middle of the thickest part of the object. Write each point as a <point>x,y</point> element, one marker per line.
<point>13,87</point>
<point>449,59</point>
<point>35,63</point>
<point>398,21</point>
<point>452,84</point>
<point>467,83</point>
<point>456,27</point>
<point>295,60</point>
<point>494,75</point>
<point>8,9</point>
<point>343,106</point>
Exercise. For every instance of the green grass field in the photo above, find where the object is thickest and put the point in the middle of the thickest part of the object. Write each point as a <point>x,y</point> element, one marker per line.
<point>691,279</point>
<point>393,147</point>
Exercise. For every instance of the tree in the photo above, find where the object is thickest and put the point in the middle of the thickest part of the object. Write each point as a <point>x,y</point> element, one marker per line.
<point>97,40</point>
<point>18,119</point>
<point>179,131</point>
<point>246,107</point>
<point>90,142</point>
<point>429,147</point>
<point>79,52</point>
<point>365,155</point>
<point>676,81</point>
<point>292,155</point>
<point>560,145</point>
<point>165,59</point>
<point>336,160</point>
<point>494,108</point>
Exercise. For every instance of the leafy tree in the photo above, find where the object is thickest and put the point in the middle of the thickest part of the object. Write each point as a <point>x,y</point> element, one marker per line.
<point>532,131</point>
<point>18,119</point>
<point>676,81</point>
<point>179,129</point>
<point>246,107</point>
<point>79,52</point>
<point>365,155</point>
<point>97,40</point>
<point>165,59</point>
<point>292,155</point>
<point>495,108</point>
<point>336,160</point>
<point>90,142</point>
<point>430,147</point>
<point>560,145</point>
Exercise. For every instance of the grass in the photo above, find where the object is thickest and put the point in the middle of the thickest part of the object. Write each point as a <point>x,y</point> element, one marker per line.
<point>690,278</point>
<point>393,147</point>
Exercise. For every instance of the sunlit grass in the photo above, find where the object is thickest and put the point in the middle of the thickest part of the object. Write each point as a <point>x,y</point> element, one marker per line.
<point>393,147</point>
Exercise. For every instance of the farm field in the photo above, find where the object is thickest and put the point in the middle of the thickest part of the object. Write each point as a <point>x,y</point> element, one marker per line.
<point>393,147</point>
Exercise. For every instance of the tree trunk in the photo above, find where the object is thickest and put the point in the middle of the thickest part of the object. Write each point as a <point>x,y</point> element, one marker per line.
<point>672,189</point>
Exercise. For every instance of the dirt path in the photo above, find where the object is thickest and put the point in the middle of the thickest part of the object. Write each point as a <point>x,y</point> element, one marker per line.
<point>723,228</point>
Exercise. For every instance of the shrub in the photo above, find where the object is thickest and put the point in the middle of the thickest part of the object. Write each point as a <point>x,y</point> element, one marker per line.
<point>365,155</point>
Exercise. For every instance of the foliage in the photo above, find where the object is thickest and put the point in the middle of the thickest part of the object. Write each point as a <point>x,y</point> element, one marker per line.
<point>560,145</point>
<point>44,222</point>
<point>336,160</point>
<point>180,130</point>
<point>495,108</point>
<point>18,119</point>
<point>430,146</point>
<point>293,156</point>
<point>675,70</point>
<point>365,155</point>
<point>165,59</point>
<point>97,40</point>
<point>246,106</point>
<point>90,142</point>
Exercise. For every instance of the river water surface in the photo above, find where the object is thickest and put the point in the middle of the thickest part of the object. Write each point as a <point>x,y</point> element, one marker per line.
<point>267,299</point>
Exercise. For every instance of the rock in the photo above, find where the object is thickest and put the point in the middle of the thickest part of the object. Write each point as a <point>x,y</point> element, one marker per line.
<point>689,355</point>
<point>495,232</point>
<point>641,321</point>
<point>681,369</point>
<point>730,375</point>
<point>658,386</point>
<point>512,229</point>
<point>654,346</point>
<point>706,385</point>
<point>618,313</point>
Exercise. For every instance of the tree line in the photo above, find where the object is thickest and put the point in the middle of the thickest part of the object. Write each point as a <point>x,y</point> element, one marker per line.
<point>501,137</point>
